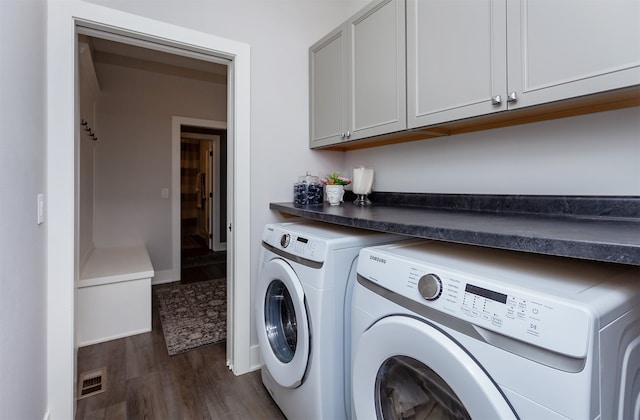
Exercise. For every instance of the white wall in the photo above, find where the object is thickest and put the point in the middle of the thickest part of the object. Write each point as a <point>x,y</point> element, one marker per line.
<point>133,153</point>
<point>596,154</point>
<point>22,242</point>
<point>89,91</point>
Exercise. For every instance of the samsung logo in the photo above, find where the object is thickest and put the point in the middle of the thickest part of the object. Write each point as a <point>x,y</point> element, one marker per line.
<point>377,259</point>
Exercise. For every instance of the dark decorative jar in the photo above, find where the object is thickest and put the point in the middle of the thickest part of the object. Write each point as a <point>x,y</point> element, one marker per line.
<point>308,191</point>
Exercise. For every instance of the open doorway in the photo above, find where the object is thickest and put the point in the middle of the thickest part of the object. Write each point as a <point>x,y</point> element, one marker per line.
<point>203,178</point>
<point>65,20</point>
<point>133,156</point>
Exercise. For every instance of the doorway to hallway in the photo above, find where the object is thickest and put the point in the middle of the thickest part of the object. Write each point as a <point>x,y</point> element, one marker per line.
<point>65,20</point>
<point>203,182</point>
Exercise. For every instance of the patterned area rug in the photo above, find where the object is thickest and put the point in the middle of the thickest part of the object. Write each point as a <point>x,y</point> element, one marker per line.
<point>192,315</point>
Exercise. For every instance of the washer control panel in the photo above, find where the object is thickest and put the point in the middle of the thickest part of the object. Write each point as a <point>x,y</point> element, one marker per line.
<point>524,314</point>
<point>295,244</point>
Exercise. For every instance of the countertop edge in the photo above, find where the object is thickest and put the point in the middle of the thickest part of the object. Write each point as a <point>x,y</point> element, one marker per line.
<point>589,247</point>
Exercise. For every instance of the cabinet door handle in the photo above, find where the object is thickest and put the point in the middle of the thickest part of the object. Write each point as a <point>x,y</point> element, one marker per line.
<point>342,135</point>
<point>348,134</point>
<point>513,97</point>
<point>496,100</point>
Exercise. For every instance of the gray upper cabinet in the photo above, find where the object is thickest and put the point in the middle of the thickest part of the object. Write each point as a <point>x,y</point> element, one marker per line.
<point>328,89</point>
<point>404,70</point>
<point>357,77</point>
<point>566,48</point>
<point>472,58</point>
<point>456,59</point>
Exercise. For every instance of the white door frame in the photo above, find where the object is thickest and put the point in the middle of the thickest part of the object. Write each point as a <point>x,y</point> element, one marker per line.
<point>215,221</point>
<point>62,191</point>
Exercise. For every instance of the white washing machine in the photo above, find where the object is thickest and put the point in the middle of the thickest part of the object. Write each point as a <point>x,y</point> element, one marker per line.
<point>450,331</point>
<point>306,277</point>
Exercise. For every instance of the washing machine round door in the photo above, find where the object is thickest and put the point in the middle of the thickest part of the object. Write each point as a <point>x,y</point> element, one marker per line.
<point>282,324</point>
<point>407,368</point>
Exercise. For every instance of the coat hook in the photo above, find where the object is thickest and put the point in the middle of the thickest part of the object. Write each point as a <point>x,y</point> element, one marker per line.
<point>88,130</point>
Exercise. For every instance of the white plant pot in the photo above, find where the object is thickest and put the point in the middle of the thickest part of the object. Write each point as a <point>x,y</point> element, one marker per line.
<point>334,194</point>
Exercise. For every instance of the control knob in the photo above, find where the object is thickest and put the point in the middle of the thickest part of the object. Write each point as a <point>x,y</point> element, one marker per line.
<point>284,240</point>
<point>430,286</point>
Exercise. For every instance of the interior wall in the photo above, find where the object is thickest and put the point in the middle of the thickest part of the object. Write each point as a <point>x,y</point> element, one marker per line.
<point>596,154</point>
<point>89,91</point>
<point>23,255</point>
<point>133,154</point>
<point>86,202</point>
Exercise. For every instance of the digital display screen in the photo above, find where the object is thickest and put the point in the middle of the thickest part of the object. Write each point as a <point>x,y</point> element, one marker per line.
<point>303,240</point>
<point>486,293</point>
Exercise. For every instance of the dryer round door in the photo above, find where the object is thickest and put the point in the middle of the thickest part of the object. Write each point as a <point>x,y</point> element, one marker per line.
<point>282,324</point>
<point>407,368</point>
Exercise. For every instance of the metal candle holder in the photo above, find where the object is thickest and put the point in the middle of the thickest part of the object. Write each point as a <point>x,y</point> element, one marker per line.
<point>362,200</point>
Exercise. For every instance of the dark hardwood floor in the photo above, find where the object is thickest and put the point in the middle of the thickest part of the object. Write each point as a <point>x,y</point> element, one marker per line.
<point>198,263</point>
<point>144,382</point>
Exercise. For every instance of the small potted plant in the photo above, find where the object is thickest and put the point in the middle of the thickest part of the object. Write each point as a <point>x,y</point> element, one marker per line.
<point>335,187</point>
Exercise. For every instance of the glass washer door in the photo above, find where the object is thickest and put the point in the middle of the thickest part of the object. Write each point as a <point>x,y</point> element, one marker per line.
<point>406,368</point>
<point>282,324</point>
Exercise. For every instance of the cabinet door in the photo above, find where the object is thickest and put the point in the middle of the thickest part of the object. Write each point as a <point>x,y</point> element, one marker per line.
<point>560,49</point>
<point>456,59</point>
<point>377,80</point>
<point>328,89</point>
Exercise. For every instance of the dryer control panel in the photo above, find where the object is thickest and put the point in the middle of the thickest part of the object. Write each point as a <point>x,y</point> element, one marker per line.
<point>547,321</point>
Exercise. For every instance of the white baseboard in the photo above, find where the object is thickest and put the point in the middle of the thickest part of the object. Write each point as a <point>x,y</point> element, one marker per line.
<point>164,276</point>
<point>255,358</point>
<point>113,337</point>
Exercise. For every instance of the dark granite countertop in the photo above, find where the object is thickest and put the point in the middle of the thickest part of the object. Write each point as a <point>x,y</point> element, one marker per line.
<point>592,228</point>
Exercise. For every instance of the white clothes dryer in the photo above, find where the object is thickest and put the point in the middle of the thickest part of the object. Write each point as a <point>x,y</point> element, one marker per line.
<point>442,330</point>
<point>306,278</point>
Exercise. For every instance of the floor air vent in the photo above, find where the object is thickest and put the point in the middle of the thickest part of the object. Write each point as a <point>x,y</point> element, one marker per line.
<point>92,383</point>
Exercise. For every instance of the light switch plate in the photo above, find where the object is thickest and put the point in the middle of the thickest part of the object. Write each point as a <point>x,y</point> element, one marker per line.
<point>40,208</point>
<point>164,193</point>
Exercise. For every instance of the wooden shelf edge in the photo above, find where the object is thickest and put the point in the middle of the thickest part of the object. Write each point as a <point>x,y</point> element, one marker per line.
<point>600,102</point>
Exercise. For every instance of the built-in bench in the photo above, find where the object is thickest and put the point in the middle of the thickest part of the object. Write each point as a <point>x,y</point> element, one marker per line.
<point>113,297</point>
